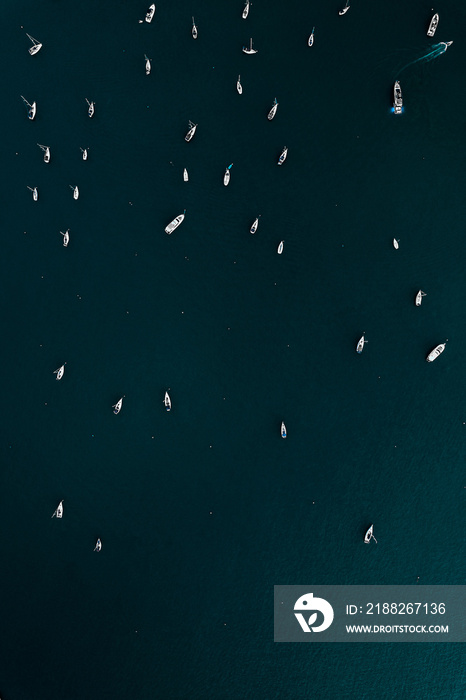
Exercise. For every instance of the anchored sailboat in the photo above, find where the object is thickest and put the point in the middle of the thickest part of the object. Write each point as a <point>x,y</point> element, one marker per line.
<point>194,30</point>
<point>91,109</point>
<point>419,295</point>
<point>58,512</point>
<point>185,175</point>
<point>36,45</point>
<point>360,345</point>
<point>118,405</point>
<point>226,177</point>
<point>280,247</point>
<point>283,430</point>
<point>66,237</point>
<point>250,49</point>
<point>283,155</point>
<point>46,150</point>
<point>32,108</point>
<point>273,111</point>
<point>246,9</point>
<point>345,9</point>
<point>59,372</point>
<point>310,41</point>
<point>75,192</point>
<point>239,87</point>
<point>84,152</point>
<point>191,131</point>
<point>35,192</point>
<point>369,535</point>
<point>167,401</point>
<point>148,65</point>
<point>396,243</point>
<point>255,225</point>
<point>98,546</point>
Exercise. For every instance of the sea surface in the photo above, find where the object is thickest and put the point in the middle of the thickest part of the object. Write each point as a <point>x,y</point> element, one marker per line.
<point>201,511</point>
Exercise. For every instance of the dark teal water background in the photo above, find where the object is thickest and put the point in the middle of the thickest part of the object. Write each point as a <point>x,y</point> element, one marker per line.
<point>202,510</point>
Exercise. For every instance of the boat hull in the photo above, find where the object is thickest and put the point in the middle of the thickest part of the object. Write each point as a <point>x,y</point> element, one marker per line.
<point>436,352</point>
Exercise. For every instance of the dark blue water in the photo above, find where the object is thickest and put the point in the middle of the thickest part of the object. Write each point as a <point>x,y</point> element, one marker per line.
<point>203,509</point>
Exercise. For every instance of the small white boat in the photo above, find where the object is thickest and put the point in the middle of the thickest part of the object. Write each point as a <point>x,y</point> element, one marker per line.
<point>36,45</point>
<point>75,192</point>
<point>98,546</point>
<point>148,65</point>
<point>273,111</point>
<point>283,155</point>
<point>280,247</point>
<point>46,150</point>
<point>91,109</point>
<point>370,535</point>
<point>249,49</point>
<point>360,345</point>
<point>150,13</point>
<point>345,9</point>
<point>66,237</point>
<point>436,352</point>
<point>117,406</point>
<point>396,243</point>
<point>397,98</point>
<point>59,372</point>
<point>191,131</point>
<point>35,192</point>
<point>239,87</point>
<point>84,152</point>
<point>167,401</point>
<point>185,175</point>
<point>283,430</point>
<point>32,109</point>
<point>419,296</point>
<point>194,30</point>
<point>175,223</point>
<point>310,41</point>
<point>226,177</point>
<point>432,26</point>
<point>254,226</point>
<point>245,9</point>
<point>58,512</point>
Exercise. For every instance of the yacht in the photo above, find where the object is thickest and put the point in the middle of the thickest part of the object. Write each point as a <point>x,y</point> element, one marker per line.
<point>75,192</point>
<point>46,150</point>
<point>398,99</point>
<point>194,30</point>
<point>167,401</point>
<point>98,546</point>
<point>280,247</point>
<point>239,87</point>
<point>191,132</point>
<point>148,66</point>
<point>84,152</point>
<point>117,406</point>
<point>66,237</point>
<point>250,49</point>
<point>175,223</point>
<point>246,9</point>
<point>436,352</point>
<point>360,345</point>
<point>432,26</point>
<point>226,177</point>
<point>32,109</point>
<point>150,13</point>
<point>310,41</point>
<point>283,430</point>
<point>35,193</point>
<point>185,175</point>
<point>283,155</point>
<point>36,45</point>
<point>370,535</point>
<point>58,513</point>
<point>254,226</point>
<point>419,296</point>
<point>91,109</point>
<point>60,372</point>
<point>273,111</point>
<point>396,243</point>
<point>345,9</point>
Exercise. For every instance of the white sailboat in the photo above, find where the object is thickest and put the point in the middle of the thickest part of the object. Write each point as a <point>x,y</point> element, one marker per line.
<point>118,405</point>
<point>35,192</point>
<point>239,87</point>
<point>32,109</point>
<point>36,45</point>
<point>91,108</point>
<point>148,65</point>
<point>283,155</point>
<point>283,430</point>
<point>369,535</point>
<point>191,131</point>
<point>167,401</point>
<point>226,177</point>
<point>58,512</point>
<point>150,13</point>
<point>419,295</point>
<point>245,9</point>
<point>66,237</point>
<point>345,9</point>
<point>255,225</point>
<point>396,243</point>
<point>360,345</point>
<point>280,247</point>
<point>194,30</point>
<point>185,175</point>
<point>310,41</point>
<point>59,372</point>
<point>75,192</point>
<point>175,223</point>
<point>249,50</point>
<point>98,546</point>
<point>273,111</point>
<point>84,152</point>
<point>46,150</point>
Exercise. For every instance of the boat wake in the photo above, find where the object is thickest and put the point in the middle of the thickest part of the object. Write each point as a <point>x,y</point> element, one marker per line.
<point>435,51</point>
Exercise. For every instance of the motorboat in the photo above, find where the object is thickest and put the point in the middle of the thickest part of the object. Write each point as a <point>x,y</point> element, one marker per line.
<point>435,352</point>
<point>250,49</point>
<point>84,152</point>
<point>283,155</point>
<point>310,41</point>
<point>345,9</point>
<point>370,535</point>
<point>397,98</point>
<point>175,223</point>
<point>117,406</point>
<point>75,192</point>
<point>35,193</point>
<point>419,296</point>
<point>36,45</point>
<point>148,65</point>
<point>273,111</point>
<point>46,150</point>
<point>396,243</point>
<point>66,237</point>
<point>245,9</point>
<point>167,401</point>
<point>283,430</point>
<point>91,109</point>
<point>280,247</point>
<point>194,30</point>
<point>226,177</point>
<point>239,87</point>
<point>191,132</point>
<point>58,512</point>
<point>432,26</point>
<point>60,372</point>
<point>185,175</point>
<point>32,109</point>
<point>98,546</point>
<point>360,345</point>
<point>254,226</point>
<point>150,13</point>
